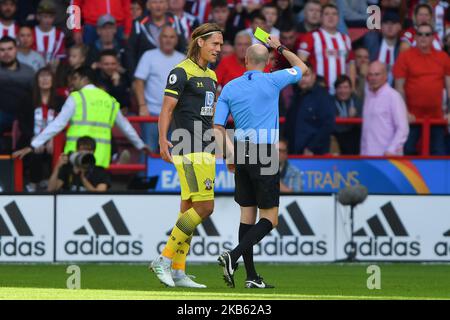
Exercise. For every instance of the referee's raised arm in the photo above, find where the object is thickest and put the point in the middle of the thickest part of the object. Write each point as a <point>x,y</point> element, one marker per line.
<point>291,57</point>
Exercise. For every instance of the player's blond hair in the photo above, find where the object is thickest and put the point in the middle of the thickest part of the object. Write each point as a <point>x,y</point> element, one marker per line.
<point>202,32</point>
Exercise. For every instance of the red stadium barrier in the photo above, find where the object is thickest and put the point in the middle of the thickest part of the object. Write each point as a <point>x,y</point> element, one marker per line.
<point>425,123</point>
<point>18,175</point>
<point>118,168</point>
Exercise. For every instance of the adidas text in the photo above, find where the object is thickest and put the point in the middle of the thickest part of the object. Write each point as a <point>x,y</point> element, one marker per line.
<point>291,247</point>
<point>103,246</point>
<point>386,248</point>
<point>15,247</point>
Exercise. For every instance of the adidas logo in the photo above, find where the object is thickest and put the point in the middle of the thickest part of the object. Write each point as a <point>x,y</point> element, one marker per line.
<point>18,221</point>
<point>293,246</point>
<point>447,233</point>
<point>102,241</point>
<point>299,220</point>
<point>377,228</point>
<point>98,226</point>
<point>17,247</point>
<point>385,248</point>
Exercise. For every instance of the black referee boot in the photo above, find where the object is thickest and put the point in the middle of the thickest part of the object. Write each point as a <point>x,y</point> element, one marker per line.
<point>228,269</point>
<point>257,283</point>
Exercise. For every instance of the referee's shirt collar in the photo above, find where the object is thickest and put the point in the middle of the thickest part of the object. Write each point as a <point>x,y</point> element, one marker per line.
<point>249,73</point>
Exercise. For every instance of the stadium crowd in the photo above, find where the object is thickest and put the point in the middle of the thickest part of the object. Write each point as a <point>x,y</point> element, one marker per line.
<point>390,76</point>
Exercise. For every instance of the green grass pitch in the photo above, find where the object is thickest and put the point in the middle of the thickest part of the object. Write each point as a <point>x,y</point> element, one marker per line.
<point>293,281</point>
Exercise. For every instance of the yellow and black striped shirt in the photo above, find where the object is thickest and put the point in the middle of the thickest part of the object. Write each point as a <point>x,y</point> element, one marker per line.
<point>195,89</point>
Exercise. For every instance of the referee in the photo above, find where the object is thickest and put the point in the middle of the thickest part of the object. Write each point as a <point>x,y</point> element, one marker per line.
<point>252,100</point>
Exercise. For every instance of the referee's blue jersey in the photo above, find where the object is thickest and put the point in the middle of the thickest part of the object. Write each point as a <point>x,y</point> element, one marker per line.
<point>252,100</point>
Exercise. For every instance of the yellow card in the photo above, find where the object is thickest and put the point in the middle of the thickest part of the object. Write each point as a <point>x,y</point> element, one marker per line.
<point>261,35</point>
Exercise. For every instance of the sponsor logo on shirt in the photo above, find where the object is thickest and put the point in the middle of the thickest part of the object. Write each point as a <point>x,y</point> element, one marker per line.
<point>208,110</point>
<point>173,79</point>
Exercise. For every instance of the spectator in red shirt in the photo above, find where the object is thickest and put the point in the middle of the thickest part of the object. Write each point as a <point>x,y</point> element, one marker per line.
<point>329,51</point>
<point>423,13</point>
<point>48,40</point>
<point>91,10</point>
<point>233,66</point>
<point>420,74</point>
<point>8,26</point>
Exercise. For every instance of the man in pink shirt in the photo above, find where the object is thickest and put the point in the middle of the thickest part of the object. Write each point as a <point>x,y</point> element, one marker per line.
<point>385,123</point>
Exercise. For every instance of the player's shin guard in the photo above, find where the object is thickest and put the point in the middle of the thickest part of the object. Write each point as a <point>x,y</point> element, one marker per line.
<point>184,228</point>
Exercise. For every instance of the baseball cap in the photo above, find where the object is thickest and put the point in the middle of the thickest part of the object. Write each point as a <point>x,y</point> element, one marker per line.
<point>105,19</point>
<point>3,1</point>
<point>46,6</point>
<point>390,16</point>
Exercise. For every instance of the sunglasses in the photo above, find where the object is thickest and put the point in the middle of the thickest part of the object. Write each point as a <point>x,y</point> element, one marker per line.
<point>424,34</point>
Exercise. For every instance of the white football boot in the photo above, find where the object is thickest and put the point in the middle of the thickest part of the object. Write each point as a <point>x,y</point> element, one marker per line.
<point>187,282</point>
<point>162,268</point>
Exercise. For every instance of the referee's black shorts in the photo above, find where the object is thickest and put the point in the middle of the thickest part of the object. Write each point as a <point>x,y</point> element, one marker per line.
<point>252,187</point>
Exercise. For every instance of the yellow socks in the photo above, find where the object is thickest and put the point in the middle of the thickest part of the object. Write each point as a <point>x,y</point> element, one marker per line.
<point>179,260</point>
<point>183,230</point>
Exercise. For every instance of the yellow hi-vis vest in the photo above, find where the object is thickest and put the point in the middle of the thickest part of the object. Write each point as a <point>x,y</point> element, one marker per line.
<point>95,114</point>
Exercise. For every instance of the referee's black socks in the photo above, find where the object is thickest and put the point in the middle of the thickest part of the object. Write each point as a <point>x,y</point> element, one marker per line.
<point>252,237</point>
<point>247,254</point>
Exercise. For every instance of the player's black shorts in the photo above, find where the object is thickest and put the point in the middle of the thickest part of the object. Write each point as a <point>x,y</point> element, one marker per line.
<point>253,186</point>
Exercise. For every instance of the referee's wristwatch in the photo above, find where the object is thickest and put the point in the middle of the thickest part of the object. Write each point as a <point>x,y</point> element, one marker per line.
<point>281,48</point>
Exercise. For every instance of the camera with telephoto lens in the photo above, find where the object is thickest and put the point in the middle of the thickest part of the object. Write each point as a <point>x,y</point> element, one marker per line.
<point>82,160</point>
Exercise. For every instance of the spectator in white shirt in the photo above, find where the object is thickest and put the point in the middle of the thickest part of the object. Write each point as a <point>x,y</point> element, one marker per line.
<point>25,53</point>
<point>150,79</point>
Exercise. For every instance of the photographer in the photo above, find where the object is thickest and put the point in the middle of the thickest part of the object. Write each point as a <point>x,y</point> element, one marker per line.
<point>77,171</point>
<point>90,111</point>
